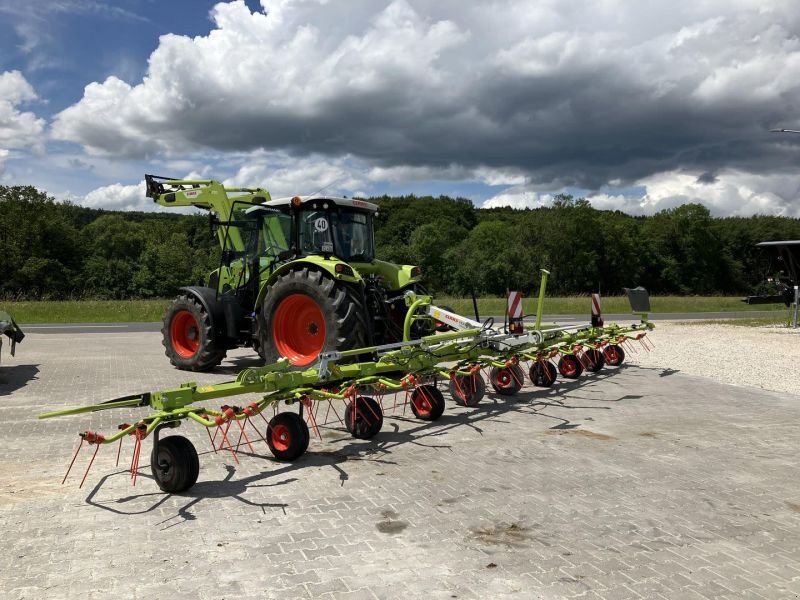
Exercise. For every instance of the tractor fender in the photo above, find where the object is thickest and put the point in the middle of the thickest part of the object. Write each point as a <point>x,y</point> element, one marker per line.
<point>346,273</point>
<point>397,277</point>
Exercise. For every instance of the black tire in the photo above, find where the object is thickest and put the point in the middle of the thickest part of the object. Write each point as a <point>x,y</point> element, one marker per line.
<point>543,373</point>
<point>467,389</point>
<point>614,355</point>
<point>593,360</point>
<point>507,381</point>
<point>363,417</point>
<point>287,436</point>
<point>188,336</point>
<point>569,366</point>
<point>340,305</point>
<point>176,466</point>
<point>427,402</point>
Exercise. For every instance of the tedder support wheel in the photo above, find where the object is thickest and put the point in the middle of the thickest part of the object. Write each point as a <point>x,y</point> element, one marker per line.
<point>507,380</point>
<point>593,360</point>
<point>174,464</point>
<point>188,336</point>
<point>467,389</point>
<point>569,366</point>
<point>363,417</point>
<point>427,402</point>
<point>287,436</point>
<point>543,373</point>
<point>305,312</point>
<point>614,355</point>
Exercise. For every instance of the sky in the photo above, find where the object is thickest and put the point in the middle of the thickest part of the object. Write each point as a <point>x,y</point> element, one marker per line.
<point>637,106</point>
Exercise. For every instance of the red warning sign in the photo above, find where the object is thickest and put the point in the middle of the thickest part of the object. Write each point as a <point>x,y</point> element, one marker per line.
<point>515,305</point>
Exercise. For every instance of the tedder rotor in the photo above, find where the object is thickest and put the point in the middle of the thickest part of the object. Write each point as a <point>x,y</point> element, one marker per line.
<point>361,377</point>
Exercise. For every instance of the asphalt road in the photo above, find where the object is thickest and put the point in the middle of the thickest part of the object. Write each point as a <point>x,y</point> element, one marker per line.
<point>73,328</point>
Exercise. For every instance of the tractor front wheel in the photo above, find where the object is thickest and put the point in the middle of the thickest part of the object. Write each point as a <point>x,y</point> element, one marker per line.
<point>188,336</point>
<point>306,312</point>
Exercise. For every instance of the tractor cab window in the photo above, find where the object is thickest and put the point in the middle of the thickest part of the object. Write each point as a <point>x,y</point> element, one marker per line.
<point>344,233</point>
<point>253,238</point>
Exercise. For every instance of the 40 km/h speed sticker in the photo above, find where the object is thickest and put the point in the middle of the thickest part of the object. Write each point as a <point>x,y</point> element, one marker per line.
<point>321,225</point>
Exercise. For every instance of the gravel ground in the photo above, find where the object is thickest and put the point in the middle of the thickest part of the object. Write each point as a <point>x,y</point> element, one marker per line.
<point>761,357</point>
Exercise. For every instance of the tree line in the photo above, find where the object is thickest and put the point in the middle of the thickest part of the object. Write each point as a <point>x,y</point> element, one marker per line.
<point>57,250</point>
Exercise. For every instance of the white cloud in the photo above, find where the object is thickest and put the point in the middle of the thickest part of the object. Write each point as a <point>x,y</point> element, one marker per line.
<point>519,198</point>
<point>18,130</point>
<point>540,96</point>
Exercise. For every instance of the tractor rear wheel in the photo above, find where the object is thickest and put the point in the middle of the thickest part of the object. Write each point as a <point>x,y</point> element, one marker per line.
<point>306,312</point>
<point>188,336</point>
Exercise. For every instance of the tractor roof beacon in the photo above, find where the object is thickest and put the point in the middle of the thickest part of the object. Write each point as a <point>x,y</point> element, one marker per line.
<point>297,276</point>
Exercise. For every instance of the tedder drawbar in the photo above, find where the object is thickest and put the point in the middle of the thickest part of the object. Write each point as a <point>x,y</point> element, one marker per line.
<point>357,377</point>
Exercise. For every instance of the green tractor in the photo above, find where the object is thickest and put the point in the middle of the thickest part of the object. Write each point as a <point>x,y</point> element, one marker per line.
<point>297,276</point>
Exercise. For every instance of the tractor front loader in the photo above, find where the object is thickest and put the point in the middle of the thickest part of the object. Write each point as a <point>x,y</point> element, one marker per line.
<point>297,276</point>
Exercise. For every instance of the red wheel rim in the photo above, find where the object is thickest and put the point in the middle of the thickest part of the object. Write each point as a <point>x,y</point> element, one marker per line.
<point>422,403</point>
<point>504,379</point>
<point>569,366</point>
<point>612,356</point>
<point>281,437</point>
<point>185,334</point>
<point>298,329</point>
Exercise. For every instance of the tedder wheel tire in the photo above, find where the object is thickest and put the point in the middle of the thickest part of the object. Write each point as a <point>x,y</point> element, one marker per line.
<point>467,389</point>
<point>594,360</point>
<point>543,373</point>
<point>287,436</point>
<point>306,312</point>
<point>569,366</point>
<point>363,417</point>
<point>507,381</point>
<point>427,402</point>
<point>175,467</point>
<point>614,355</point>
<point>188,336</point>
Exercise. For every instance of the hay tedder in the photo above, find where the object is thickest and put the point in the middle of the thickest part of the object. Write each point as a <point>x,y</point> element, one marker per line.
<point>413,370</point>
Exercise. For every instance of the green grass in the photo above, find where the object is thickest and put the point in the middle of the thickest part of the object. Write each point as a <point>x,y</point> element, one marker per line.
<point>577,305</point>
<point>86,311</point>
<point>143,311</point>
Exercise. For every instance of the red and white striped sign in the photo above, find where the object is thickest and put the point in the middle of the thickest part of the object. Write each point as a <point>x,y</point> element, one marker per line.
<point>596,305</point>
<point>515,305</point>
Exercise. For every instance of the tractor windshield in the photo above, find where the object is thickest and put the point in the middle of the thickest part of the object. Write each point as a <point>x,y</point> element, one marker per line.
<point>344,233</point>
<point>254,238</point>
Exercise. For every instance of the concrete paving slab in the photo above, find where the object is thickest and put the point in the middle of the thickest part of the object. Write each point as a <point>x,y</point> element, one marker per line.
<point>631,483</point>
